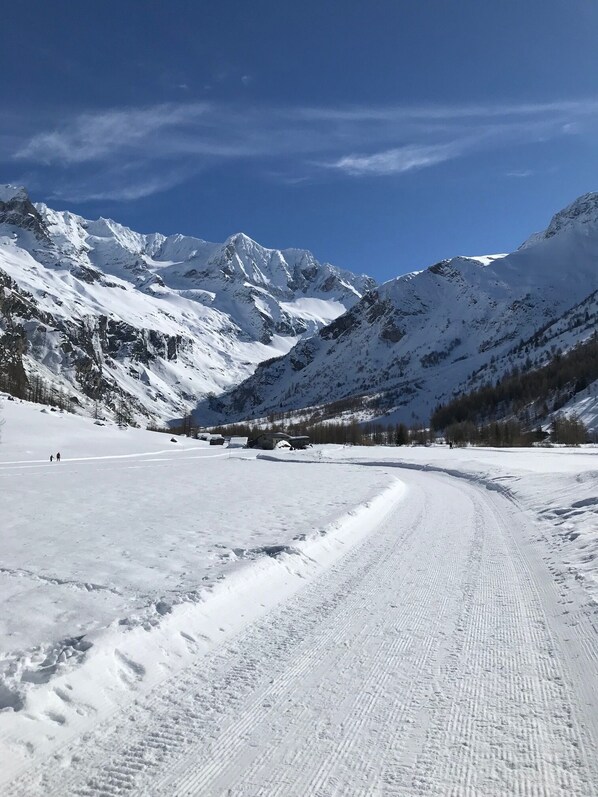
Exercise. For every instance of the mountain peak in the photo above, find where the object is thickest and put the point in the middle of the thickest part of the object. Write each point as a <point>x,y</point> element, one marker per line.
<point>241,241</point>
<point>8,193</point>
<point>582,211</point>
<point>17,210</point>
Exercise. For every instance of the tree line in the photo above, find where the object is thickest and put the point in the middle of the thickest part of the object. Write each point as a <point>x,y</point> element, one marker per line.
<point>527,396</point>
<point>567,430</point>
<point>351,432</point>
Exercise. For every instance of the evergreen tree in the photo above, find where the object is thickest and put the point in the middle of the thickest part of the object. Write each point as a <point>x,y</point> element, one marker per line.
<point>401,435</point>
<point>569,431</point>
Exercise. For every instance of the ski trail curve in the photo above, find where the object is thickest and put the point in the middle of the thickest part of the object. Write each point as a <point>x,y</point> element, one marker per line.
<point>427,661</point>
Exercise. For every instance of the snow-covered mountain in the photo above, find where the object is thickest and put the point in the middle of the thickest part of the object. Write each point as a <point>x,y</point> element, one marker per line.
<point>104,316</point>
<point>417,340</point>
<point>95,311</point>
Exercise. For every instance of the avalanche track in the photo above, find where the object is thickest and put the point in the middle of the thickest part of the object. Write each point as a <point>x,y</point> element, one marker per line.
<point>433,658</point>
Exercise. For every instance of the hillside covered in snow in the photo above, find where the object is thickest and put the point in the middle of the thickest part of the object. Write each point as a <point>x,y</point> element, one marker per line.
<point>101,319</point>
<point>422,338</point>
<point>93,314</point>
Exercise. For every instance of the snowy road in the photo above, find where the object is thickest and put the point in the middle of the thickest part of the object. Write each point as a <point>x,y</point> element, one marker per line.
<point>434,658</point>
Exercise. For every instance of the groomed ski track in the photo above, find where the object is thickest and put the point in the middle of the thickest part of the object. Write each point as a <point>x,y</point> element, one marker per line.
<point>434,658</point>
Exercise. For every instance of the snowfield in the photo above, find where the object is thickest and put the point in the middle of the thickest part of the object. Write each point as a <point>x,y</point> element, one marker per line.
<point>557,487</point>
<point>184,619</point>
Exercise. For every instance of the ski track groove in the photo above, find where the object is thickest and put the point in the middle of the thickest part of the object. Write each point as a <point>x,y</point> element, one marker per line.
<point>134,755</point>
<point>358,710</point>
<point>198,782</point>
<point>456,688</point>
<point>457,728</point>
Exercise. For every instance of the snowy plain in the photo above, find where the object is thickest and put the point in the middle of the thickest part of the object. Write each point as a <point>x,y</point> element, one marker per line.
<point>129,523</point>
<point>183,619</point>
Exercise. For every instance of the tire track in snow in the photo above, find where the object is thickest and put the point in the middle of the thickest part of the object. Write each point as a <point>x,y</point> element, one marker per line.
<point>506,728</point>
<point>310,728</point>
<point>422,663</point>
<point>310,656</point>
<point>392,639</point>
<point>228,673</point>
<point>502,717</point>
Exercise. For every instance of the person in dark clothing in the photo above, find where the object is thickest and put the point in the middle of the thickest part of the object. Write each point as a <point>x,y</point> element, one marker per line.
<point>58,457</point>
<point>51,457</point>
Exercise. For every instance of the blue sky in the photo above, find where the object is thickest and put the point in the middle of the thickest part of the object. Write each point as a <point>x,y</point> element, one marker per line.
<point>382,135</point>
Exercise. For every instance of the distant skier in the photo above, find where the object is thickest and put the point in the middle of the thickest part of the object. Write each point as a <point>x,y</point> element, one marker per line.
<point>58,457</point>
<point>51,457</point>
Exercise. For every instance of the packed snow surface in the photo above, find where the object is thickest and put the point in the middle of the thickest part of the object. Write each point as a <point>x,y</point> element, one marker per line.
<point>128,521</point>
<point>185,619</point>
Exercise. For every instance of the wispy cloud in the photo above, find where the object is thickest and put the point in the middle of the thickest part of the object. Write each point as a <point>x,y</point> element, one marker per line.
<point>520,173</point>
<point>395,161</point>
<point>119,184</point>
<point>396,113</point>
<point>127,153</point>
<point>96,136</point>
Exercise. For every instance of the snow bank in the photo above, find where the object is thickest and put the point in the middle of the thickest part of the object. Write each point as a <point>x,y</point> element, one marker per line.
<point>133,554</point>
<point>121,662</point>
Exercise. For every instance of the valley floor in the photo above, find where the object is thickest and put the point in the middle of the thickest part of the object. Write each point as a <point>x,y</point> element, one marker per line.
<point>334,622</point>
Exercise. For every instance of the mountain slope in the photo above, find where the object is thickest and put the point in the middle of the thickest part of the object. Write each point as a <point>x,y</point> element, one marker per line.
<point>97,311</point>
<point>418,339</point>
<point>529,395</point>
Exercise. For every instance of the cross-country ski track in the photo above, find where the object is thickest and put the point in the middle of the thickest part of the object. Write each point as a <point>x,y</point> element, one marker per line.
<point>435,657</point>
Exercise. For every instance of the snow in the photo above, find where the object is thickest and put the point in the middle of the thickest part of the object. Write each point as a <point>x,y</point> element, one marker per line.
<point>422,338</point>
<point>556,486</point>
<point>320,311</point>
<point>349,620</point>
<point>581,212</point>
<point>215,354</point>
<point>585,405</point>
<point>485,260</point>
<point>226,308</point>
<point>128,522</point>
<point>10,192</point>
<point>203,315</point>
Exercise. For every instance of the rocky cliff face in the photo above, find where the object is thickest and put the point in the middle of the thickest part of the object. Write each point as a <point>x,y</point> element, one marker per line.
<point>95,312</point>
<point>417,340</point>
<point>16,209</point>
<point>100,315</point>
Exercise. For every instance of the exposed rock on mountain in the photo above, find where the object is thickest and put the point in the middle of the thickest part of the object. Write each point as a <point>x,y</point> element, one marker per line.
<point>102,316</point>
<point>96,312</point>
<point>419,339</point>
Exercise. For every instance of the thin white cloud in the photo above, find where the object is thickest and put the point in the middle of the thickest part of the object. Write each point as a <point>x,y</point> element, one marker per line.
<point>126,192</point>
<point>395,161</point>
<point>121,183</point>
<point>585,107</point>
<point>127,153</point>
<point>94,136</point>
<point>521,173</point>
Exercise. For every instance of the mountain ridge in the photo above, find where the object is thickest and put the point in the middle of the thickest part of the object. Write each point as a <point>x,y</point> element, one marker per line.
<point>162,319</point>
<point>416,340</point>
<point>171,324</point>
